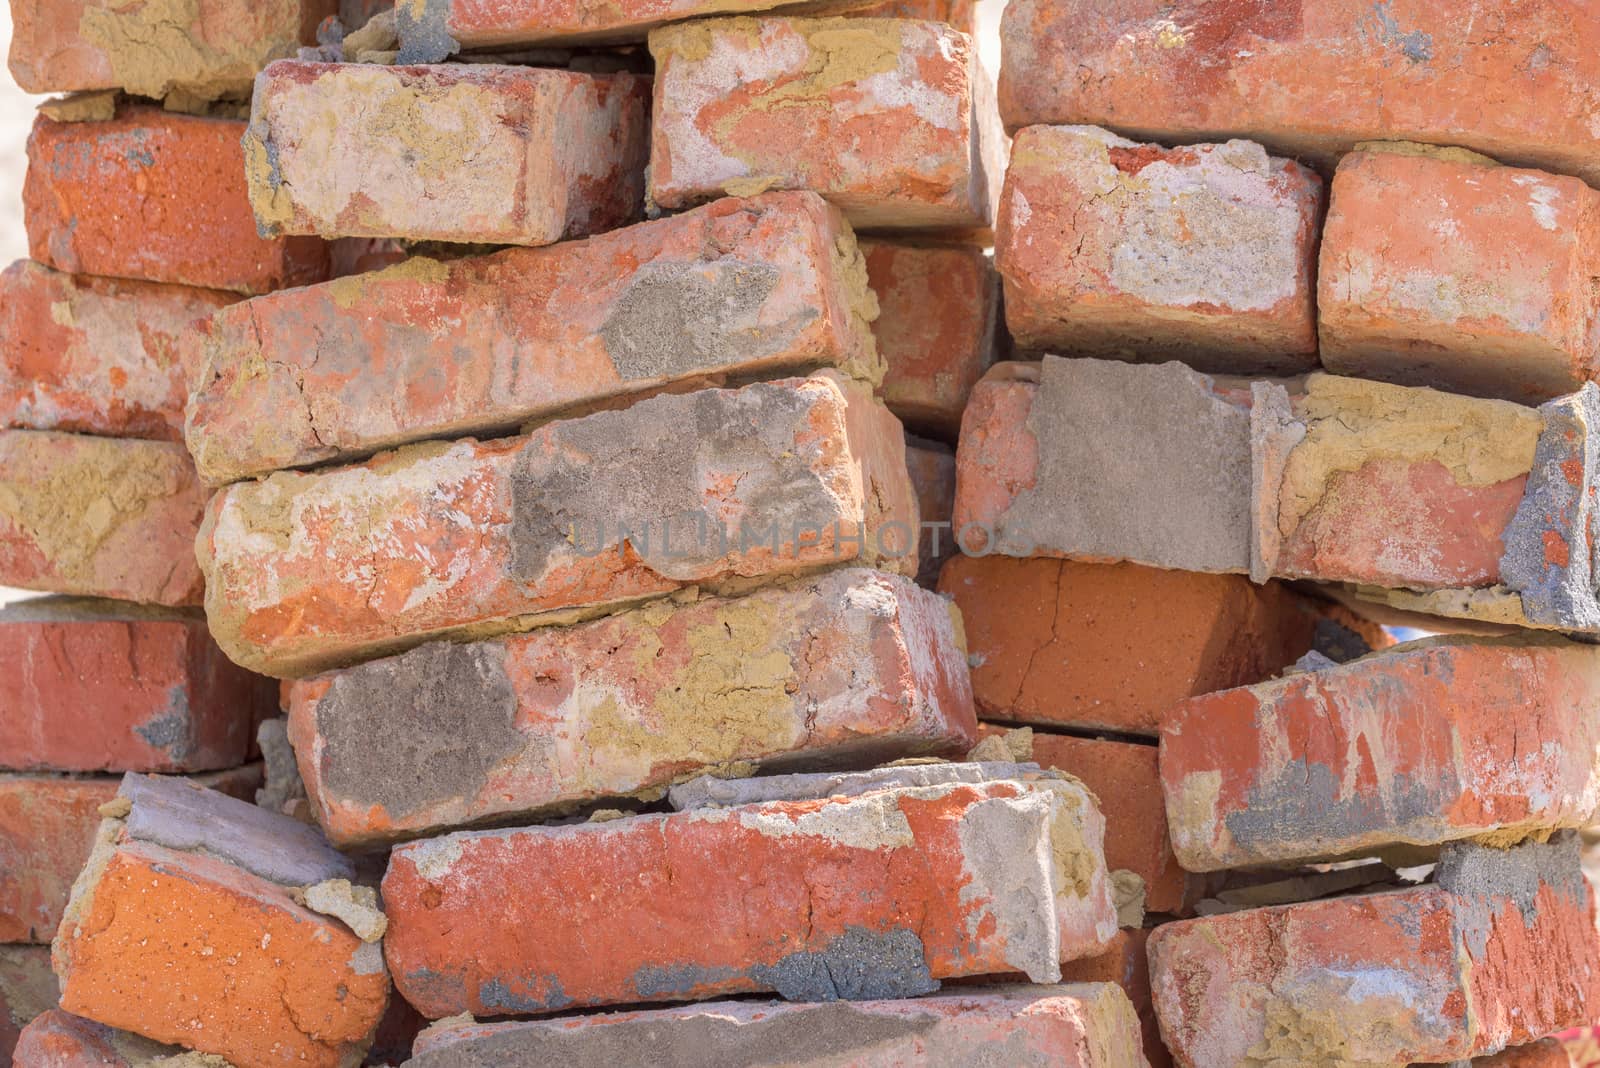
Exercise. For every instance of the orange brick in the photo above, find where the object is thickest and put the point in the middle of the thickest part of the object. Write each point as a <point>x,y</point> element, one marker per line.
<point>305,571</point>
<point>1070,1026</point>
<point>27,990</point>
<point>491,153</point>
<point>1501,951</point>
<point>1545,1053</point>
<point>193,225</point>
<point>1445,270</point>
<point>1203,253</point>
<point>99,517</point>
<point>340,370</point>
<point>938,307</point>
<point>1313,79</point>
<point>894,132</point>
<point>188,896</point>
<point>59,1039</point>
<point>867,896</point>
<point>1125,963</point>
<point>852,667</point>
<point>933,476</point>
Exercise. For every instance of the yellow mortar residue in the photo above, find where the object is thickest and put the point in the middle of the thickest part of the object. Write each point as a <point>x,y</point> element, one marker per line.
<point>268,199</point>
<point>61,313</point>
<point>1297,1033</point>
<point>749,185</point>
<point>1418,148</point>
<point>1351,422</point>
<point>349,291</point>
<point>850,268</point>
<point>1075,863</point>
<point>82,107</point>
<point>154,46</point>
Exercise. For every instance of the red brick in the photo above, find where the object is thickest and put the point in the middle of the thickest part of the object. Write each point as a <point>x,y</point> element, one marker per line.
<point>182,929</point>
<point>110,686</point>
<point>884,117</point>
<point>1204,253</point>
<point>59,1039</point>
<point>1077,1026</point>
<point>200,50</point>
<point>938,307</point>
<point>852,667</point>
<point>97,355</point>
<point>1313,79</point>
<point>340,370</point>
<point>1115,646</point>
<point>27,990</point>
<point>1412,746</point>
<point>1443,269</point>
<point>193,225</point>
<point>1545,1053</point>
<point>1125,963</point>
<point>1501,952</point>
<point>99,517</point>
<point>932,466</point>
<point>489,153</point>
<point>305,571</point>
<point>866,896</point>
<point>960,14</point>
<point>47,828</point>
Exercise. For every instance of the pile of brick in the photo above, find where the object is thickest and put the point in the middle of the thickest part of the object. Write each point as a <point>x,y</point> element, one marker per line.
<point>692,646</point>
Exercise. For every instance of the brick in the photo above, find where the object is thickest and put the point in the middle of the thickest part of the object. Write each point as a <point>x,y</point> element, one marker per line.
<point>932,466</point>
<point>884,117</point>
<point>340,370</point>
<point>99,517</point>
<point>190,894</point>
<point>1545,1053</point>
<point>200,50</point>
<point>1125,963</point>
<point>47,828</point>
<point>1204,253</point>
<point>724,792</point>
<point>97,355</point>
<point>1408,747</point>
<point>960,14</point>
<point>1442,269</point>
<point>868,896</point>
<point>111,686</point>
<point>1073,1026</point>
<point>193,225</point>
<point>1312,80</point>
<point>59,1039</point>
<point>489,153</point>
<point>1059,643</point>
<point>1499,952</point>
<point>305,571</point>
<point>27,990</point>
<point>852,667</point>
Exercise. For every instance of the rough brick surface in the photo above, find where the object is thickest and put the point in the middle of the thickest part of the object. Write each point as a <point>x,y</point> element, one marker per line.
<point>884,117</point>
<point>1204,253</point>
<point>869,896</point>
<point>759,286</point>
<point>110,686</point>
<point>960,14</point>
<point>1546,1053</point>
<point>1446,270</point>
<point>47,828</point>
<point>193,225</point>
<point>200,49</point>
<point>938,307</point>
<point>99,517</point>
<point>305,571</point>
<point>1315,79</point>
<point>1411,746</point>
<point>27,990</point>
<point>476,153</point>
<point>852,667</point>
<point>1067,1026</point>
<point>97,355</point>
<point>189,895</point>
<point>59,1039</point>
<point>1501,952</point>
<point>1125,962</point>
<point>1114,646</point>
<point>932,467</point>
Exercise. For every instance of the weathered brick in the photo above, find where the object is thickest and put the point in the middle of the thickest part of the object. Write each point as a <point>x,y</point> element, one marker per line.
<point>97,355</point>
<point>1204,253</point>
<point>156,196</point>
<point>1409,747</point>
<point>1125,962</point>
<point>27,990</point>
<point>753,287</point>
<point>466,152</point>
<point>47,828</point>
<point>1312,80</point>
<point>1082,1025</point>
<point>99,517</point>
<point>932,466</point>
<point>868,896</point>
<point>199,49</point>
<point>59,1039</point>
<point>189,894</point>
<point>849,667</point>
<point>938,307</point>
<point>112,686</point>
<point>1440,268</point>
<point>1500,952</point>
<point>305,571</point>
<point>884,117</point>
<point>960,14</point>
<point>1545,1053</point>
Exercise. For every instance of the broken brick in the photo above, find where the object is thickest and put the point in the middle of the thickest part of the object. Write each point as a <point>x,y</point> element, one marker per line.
<point>960,14</point>
<point>1125,962</point>
<point>59,1039</point>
